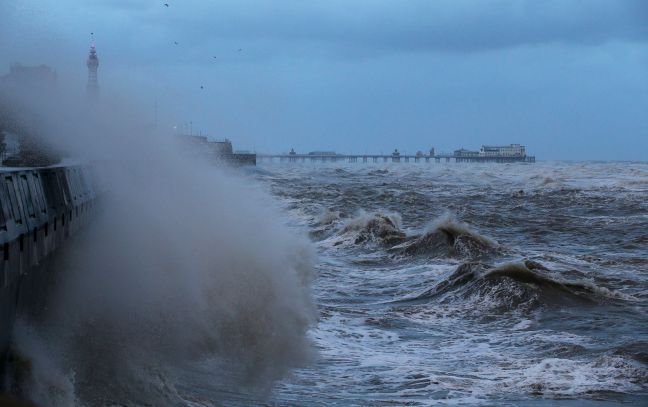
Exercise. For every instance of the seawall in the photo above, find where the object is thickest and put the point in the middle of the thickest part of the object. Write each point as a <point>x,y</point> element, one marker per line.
<point>39,209</point>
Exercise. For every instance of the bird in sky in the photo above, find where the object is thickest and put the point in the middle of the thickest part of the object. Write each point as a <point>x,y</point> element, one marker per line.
<point>175,42</point>
<point>166,4</point>
<point>240,49</point>
<point>214,57</point>
<point>202,87</point>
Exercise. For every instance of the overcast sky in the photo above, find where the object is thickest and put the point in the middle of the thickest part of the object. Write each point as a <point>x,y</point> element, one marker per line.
<point>569,79</point>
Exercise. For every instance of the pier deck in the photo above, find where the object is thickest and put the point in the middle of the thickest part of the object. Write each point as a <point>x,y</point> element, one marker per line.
<point>381,158</point>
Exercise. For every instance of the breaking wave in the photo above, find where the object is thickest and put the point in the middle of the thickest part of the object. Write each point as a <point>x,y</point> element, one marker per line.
<point>446,238</point>
<point>159,281</point>
<point>523,285</point>
<point>370,228</point>
<point>324,224</point>
<point>328,217</point>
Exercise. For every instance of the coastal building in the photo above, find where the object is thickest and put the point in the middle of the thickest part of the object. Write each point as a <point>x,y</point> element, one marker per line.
<point>39,78</point>
<point>217,150</point>
<point>20,88</point>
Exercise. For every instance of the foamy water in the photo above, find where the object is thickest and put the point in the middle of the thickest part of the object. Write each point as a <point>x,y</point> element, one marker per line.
<point>425,298</point>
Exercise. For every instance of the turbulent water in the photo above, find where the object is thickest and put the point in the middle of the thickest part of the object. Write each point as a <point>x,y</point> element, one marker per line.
<point>503,284</point>
<point>506,284</point>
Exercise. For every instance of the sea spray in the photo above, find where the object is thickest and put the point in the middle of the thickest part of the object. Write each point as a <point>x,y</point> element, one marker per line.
<point>185,262</point>
<point>36,369</point>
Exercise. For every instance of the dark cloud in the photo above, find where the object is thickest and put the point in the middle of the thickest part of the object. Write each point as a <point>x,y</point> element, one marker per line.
<point>370,26</point>
<point>362,75</point>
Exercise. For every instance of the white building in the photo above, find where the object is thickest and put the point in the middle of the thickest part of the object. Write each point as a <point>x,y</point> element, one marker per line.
<point>512,150</point>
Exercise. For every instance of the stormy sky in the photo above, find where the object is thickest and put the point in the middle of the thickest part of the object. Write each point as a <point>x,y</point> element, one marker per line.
<point>567,78</point>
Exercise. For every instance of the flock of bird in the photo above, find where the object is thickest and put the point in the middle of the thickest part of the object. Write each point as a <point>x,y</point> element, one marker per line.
<point>177,43</point>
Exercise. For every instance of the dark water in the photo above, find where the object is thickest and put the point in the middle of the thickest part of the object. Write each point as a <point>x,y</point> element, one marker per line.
<point>472,284</point>
<point>436,284</point>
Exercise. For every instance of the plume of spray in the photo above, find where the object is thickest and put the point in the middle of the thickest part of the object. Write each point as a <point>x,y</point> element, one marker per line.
<point>184,263</point>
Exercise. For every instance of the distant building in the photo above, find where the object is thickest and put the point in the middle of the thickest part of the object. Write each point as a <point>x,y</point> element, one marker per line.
<point>507,151</point>
<point>511,150</point>
<point>209,146</point>
<point>39,78</point>
<point>220,150</point>
<point>500,154</point>
<point>462,152</point>
<point>326,153</point>
<point>19,89</point>
<point>222,146</point>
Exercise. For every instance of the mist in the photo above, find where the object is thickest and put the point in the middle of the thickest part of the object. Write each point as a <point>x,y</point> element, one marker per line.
<point>185,262</point>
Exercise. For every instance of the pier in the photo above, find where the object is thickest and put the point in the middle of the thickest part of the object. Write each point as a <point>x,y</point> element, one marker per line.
<point>488,153</point>
<point>395,157</point>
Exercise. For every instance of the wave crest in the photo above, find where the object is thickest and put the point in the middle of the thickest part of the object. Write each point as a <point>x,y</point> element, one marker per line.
<point>448,237</point>
<point>511,286</point>
<point>367,228</point>
<point>327,217</point>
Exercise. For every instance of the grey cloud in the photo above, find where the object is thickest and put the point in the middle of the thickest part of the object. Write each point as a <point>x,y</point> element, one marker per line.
<point>387,26</point>
<point>354,74</point>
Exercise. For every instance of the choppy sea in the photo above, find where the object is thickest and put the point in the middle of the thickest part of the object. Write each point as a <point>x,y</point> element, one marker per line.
<point>434,284</point>
<point>464,284</point>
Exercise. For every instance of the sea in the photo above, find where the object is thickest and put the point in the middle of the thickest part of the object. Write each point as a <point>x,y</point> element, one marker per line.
<point>351,284</point>
<point>471,284</point>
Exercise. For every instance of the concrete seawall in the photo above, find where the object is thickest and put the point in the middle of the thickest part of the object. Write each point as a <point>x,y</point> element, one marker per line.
<point>39,209</point>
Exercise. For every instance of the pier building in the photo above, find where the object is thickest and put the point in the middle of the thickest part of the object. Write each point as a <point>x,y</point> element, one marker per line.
<point>511,150</point>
